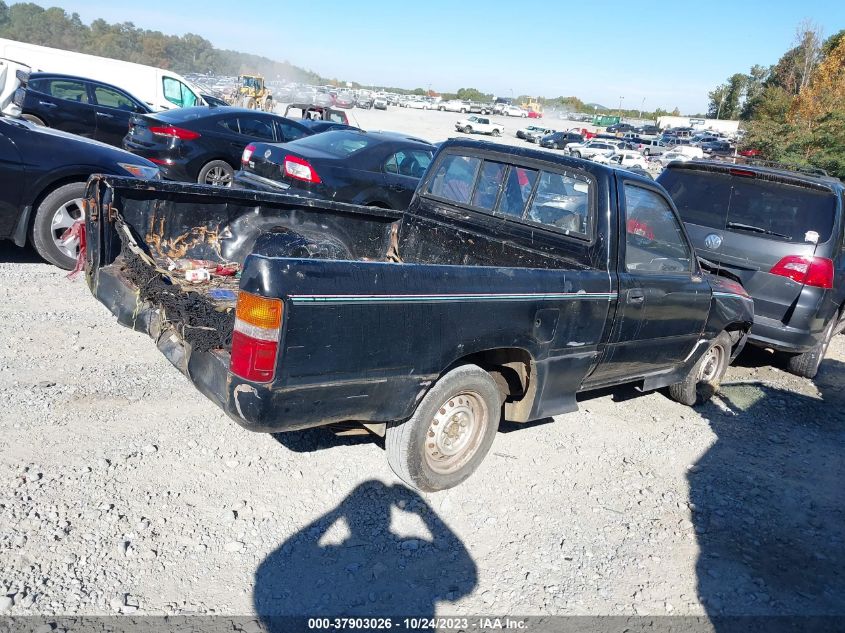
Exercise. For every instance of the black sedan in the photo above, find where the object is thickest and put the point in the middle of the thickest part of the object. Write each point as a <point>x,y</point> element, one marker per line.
<point>372,168</point>
<point>204,144</point>
<point>74,104</point>
<point>559,140</point>
<point>620,127</point>
<point>42,182</point>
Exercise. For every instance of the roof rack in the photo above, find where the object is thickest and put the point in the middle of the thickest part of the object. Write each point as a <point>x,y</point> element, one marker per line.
<point>803,169</point>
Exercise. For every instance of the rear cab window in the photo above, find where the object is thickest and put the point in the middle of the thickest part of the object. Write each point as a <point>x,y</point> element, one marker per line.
<point>559,200</point>
<point>764,207</point>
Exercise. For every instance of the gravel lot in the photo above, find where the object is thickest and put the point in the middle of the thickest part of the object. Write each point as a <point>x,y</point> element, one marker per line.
<point>123,490</point>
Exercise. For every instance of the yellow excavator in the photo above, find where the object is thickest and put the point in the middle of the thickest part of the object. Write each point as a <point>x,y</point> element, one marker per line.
<point>253,94</point>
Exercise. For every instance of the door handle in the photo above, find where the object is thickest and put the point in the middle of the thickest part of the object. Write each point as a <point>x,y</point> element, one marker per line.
<point>105,115</point>
<point>636,296</point>
<point>47,104</point>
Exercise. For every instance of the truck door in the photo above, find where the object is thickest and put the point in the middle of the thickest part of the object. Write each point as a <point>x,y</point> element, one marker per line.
<point>663,298</point>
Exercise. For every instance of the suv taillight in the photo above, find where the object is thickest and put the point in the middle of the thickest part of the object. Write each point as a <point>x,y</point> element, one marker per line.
<point>175,132</point>
<point>248,150</point>
<point>810,271</point>
<point>301,169</point>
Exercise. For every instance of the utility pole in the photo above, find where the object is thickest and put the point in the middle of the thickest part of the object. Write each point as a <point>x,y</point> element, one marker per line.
<point>620,105</point>
<point>642,107</point>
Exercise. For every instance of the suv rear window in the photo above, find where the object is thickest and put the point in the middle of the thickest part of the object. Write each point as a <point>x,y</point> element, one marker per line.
<point>776,210</point>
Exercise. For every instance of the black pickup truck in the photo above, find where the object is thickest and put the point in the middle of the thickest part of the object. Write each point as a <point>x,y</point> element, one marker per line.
<point>515,280</point>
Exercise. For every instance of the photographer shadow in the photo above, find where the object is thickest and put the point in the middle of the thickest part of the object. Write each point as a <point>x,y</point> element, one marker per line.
<point>352,561</point>
<point>768,502</point>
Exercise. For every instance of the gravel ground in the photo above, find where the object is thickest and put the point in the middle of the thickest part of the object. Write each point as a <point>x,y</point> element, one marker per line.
<point>123,490</point>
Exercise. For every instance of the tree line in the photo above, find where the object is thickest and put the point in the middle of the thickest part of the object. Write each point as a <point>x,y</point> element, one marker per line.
<point>794,110</point>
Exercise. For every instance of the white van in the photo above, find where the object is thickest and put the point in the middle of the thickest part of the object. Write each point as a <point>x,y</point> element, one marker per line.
<point>160,89</point>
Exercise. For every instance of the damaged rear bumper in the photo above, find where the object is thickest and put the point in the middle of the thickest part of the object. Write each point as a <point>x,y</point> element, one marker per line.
<point>254,406</point>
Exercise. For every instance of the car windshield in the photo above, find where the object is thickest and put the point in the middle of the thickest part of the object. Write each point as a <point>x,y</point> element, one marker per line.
<point>778,210</point>
<point>340,143</point>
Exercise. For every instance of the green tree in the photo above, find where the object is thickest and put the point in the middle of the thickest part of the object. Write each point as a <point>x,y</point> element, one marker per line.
<point>4,15</point>
<point>473,94</point>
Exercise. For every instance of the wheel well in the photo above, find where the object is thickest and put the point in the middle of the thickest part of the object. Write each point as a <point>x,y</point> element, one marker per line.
<point>514,371</point>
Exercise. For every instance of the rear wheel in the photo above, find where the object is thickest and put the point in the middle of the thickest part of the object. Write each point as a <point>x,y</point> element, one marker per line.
<point>217,173</point>
<point>33,119</point>
<point>807,364</point>
<point>646,152</point>
<point>496,133</point>
<point>55,215</point>
<point>706,375</point>
<point>449,434</point>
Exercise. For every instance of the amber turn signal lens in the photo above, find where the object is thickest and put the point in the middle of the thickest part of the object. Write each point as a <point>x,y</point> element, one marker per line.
<point>259,311</point>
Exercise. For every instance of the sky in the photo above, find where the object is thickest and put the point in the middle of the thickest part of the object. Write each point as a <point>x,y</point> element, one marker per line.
<point>646,54</point>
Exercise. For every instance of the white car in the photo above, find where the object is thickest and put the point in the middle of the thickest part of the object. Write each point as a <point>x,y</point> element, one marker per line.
<point>514,111</point>
<point>453,105</point>
<point>593,148</point>
<point>418,105</point>
<point>480,125</point>
<point>623,158</point>
<point>681,153</point>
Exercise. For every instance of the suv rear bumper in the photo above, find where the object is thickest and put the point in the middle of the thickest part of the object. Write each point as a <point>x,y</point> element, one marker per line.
<point>782,338</point>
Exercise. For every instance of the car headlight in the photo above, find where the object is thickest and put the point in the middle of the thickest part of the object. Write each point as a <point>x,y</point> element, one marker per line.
<point>141,171</point>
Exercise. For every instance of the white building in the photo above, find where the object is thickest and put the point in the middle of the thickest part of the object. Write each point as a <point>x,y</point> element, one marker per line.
<point>719,125</point>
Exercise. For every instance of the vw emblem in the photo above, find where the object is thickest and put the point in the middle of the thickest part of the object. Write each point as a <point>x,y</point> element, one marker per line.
<point>267,154</point>
<point>713,241</point>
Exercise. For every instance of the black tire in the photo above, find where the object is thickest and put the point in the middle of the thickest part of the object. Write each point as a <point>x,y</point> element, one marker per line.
<point>646,152</point>
<point>555,146</point>
<point>807,364</point>
<point>576,154</point>
<point>217,173</point>
<point>463,110</point>
<point>467,130</point>
<point>48,225</point>
<point>706,375</point>
<point>413,446</point>
<point>34,119</point>
<point>496,133</point>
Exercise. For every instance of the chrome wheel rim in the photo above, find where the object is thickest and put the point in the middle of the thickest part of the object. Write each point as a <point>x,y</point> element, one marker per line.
<point>455,432</point>
<point>218,177</point>
<point>64,218</point>
<point>711,364</point>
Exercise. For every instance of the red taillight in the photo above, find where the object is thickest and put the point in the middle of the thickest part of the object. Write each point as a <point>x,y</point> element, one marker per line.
<point>161,161</point>
<point>255,340</point>
<point>175,132</point>
<point>248,150</point>
<point>810,271</point>
<point>299,168</point>
<point>252,358</point>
